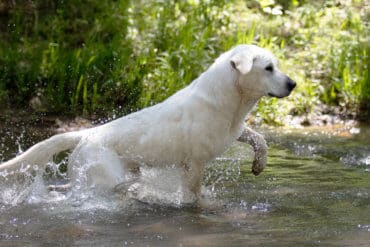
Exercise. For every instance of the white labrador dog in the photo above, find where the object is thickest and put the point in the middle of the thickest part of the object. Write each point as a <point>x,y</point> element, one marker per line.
<point>187,130</point>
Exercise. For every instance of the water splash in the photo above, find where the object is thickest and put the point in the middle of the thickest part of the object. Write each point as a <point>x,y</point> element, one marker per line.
<point>18,143</point>
<point>164,186</point>
<point>16,187</point>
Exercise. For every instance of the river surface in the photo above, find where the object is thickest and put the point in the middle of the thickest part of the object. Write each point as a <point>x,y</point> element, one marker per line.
<point>314,192</point>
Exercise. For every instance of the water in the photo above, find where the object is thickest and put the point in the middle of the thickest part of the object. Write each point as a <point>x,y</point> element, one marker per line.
<point>315,191</point>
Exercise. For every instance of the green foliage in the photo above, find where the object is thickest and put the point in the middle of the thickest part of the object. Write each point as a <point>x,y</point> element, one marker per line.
<point>73,54</point>
<point>89,56</point>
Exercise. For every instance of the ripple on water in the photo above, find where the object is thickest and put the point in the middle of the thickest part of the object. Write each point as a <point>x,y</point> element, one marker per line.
<point>298,198</point>
<point>352,159</point>
<point>364,227</point>
<point>261,207</point>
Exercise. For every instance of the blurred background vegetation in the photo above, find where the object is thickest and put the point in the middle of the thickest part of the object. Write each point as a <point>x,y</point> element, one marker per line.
<point>92,58</point>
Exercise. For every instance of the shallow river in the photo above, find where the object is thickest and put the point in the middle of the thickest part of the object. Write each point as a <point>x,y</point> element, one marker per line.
<point>314,192</point>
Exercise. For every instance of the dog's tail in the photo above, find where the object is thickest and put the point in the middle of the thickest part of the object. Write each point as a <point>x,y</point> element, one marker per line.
<point>42,152</point>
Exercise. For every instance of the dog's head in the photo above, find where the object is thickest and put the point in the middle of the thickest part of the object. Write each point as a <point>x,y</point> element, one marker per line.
<point>258,72</point>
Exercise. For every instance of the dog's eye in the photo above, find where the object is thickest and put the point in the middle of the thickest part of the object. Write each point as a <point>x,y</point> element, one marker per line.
<point>269,68</point>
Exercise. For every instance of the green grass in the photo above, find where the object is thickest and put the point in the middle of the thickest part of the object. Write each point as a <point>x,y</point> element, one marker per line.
<point>93,57</point>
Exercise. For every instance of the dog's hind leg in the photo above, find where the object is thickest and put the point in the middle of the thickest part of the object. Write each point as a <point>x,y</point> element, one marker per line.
<point>97,166</point>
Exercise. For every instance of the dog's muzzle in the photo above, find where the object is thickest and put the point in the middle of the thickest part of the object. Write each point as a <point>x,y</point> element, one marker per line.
<point>289,86</point>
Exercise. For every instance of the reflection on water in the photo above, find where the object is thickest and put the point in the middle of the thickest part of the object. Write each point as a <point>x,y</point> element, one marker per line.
<point>314,192</point>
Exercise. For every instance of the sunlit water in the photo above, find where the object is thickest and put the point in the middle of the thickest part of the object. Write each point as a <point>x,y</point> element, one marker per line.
<point>314,192</point>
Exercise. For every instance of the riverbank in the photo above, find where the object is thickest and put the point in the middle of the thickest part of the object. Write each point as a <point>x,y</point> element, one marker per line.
<point>54,123</point>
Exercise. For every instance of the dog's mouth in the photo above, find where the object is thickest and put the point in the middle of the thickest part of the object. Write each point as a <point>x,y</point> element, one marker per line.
<point>277,96</point>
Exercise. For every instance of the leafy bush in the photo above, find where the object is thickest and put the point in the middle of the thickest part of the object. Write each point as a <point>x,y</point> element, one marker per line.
<point>74,54</point>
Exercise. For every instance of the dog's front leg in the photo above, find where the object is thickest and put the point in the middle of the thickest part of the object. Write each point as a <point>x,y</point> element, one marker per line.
<point>259,146</point>
<point>193,173</point>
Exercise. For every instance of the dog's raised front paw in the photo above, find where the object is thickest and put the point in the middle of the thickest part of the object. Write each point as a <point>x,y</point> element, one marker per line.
<point>259,162</point>
<point>257,167</point>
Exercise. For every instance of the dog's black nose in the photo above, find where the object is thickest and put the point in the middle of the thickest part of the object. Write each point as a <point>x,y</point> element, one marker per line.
<point>291,84</point>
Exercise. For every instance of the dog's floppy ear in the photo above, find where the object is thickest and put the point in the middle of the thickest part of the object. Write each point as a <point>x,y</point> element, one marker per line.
<point>242,62</point>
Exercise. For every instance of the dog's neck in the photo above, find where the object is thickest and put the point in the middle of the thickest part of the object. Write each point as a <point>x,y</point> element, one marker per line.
<point>222,84</point>
<point>246,104</point>
<point>247,100</point>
